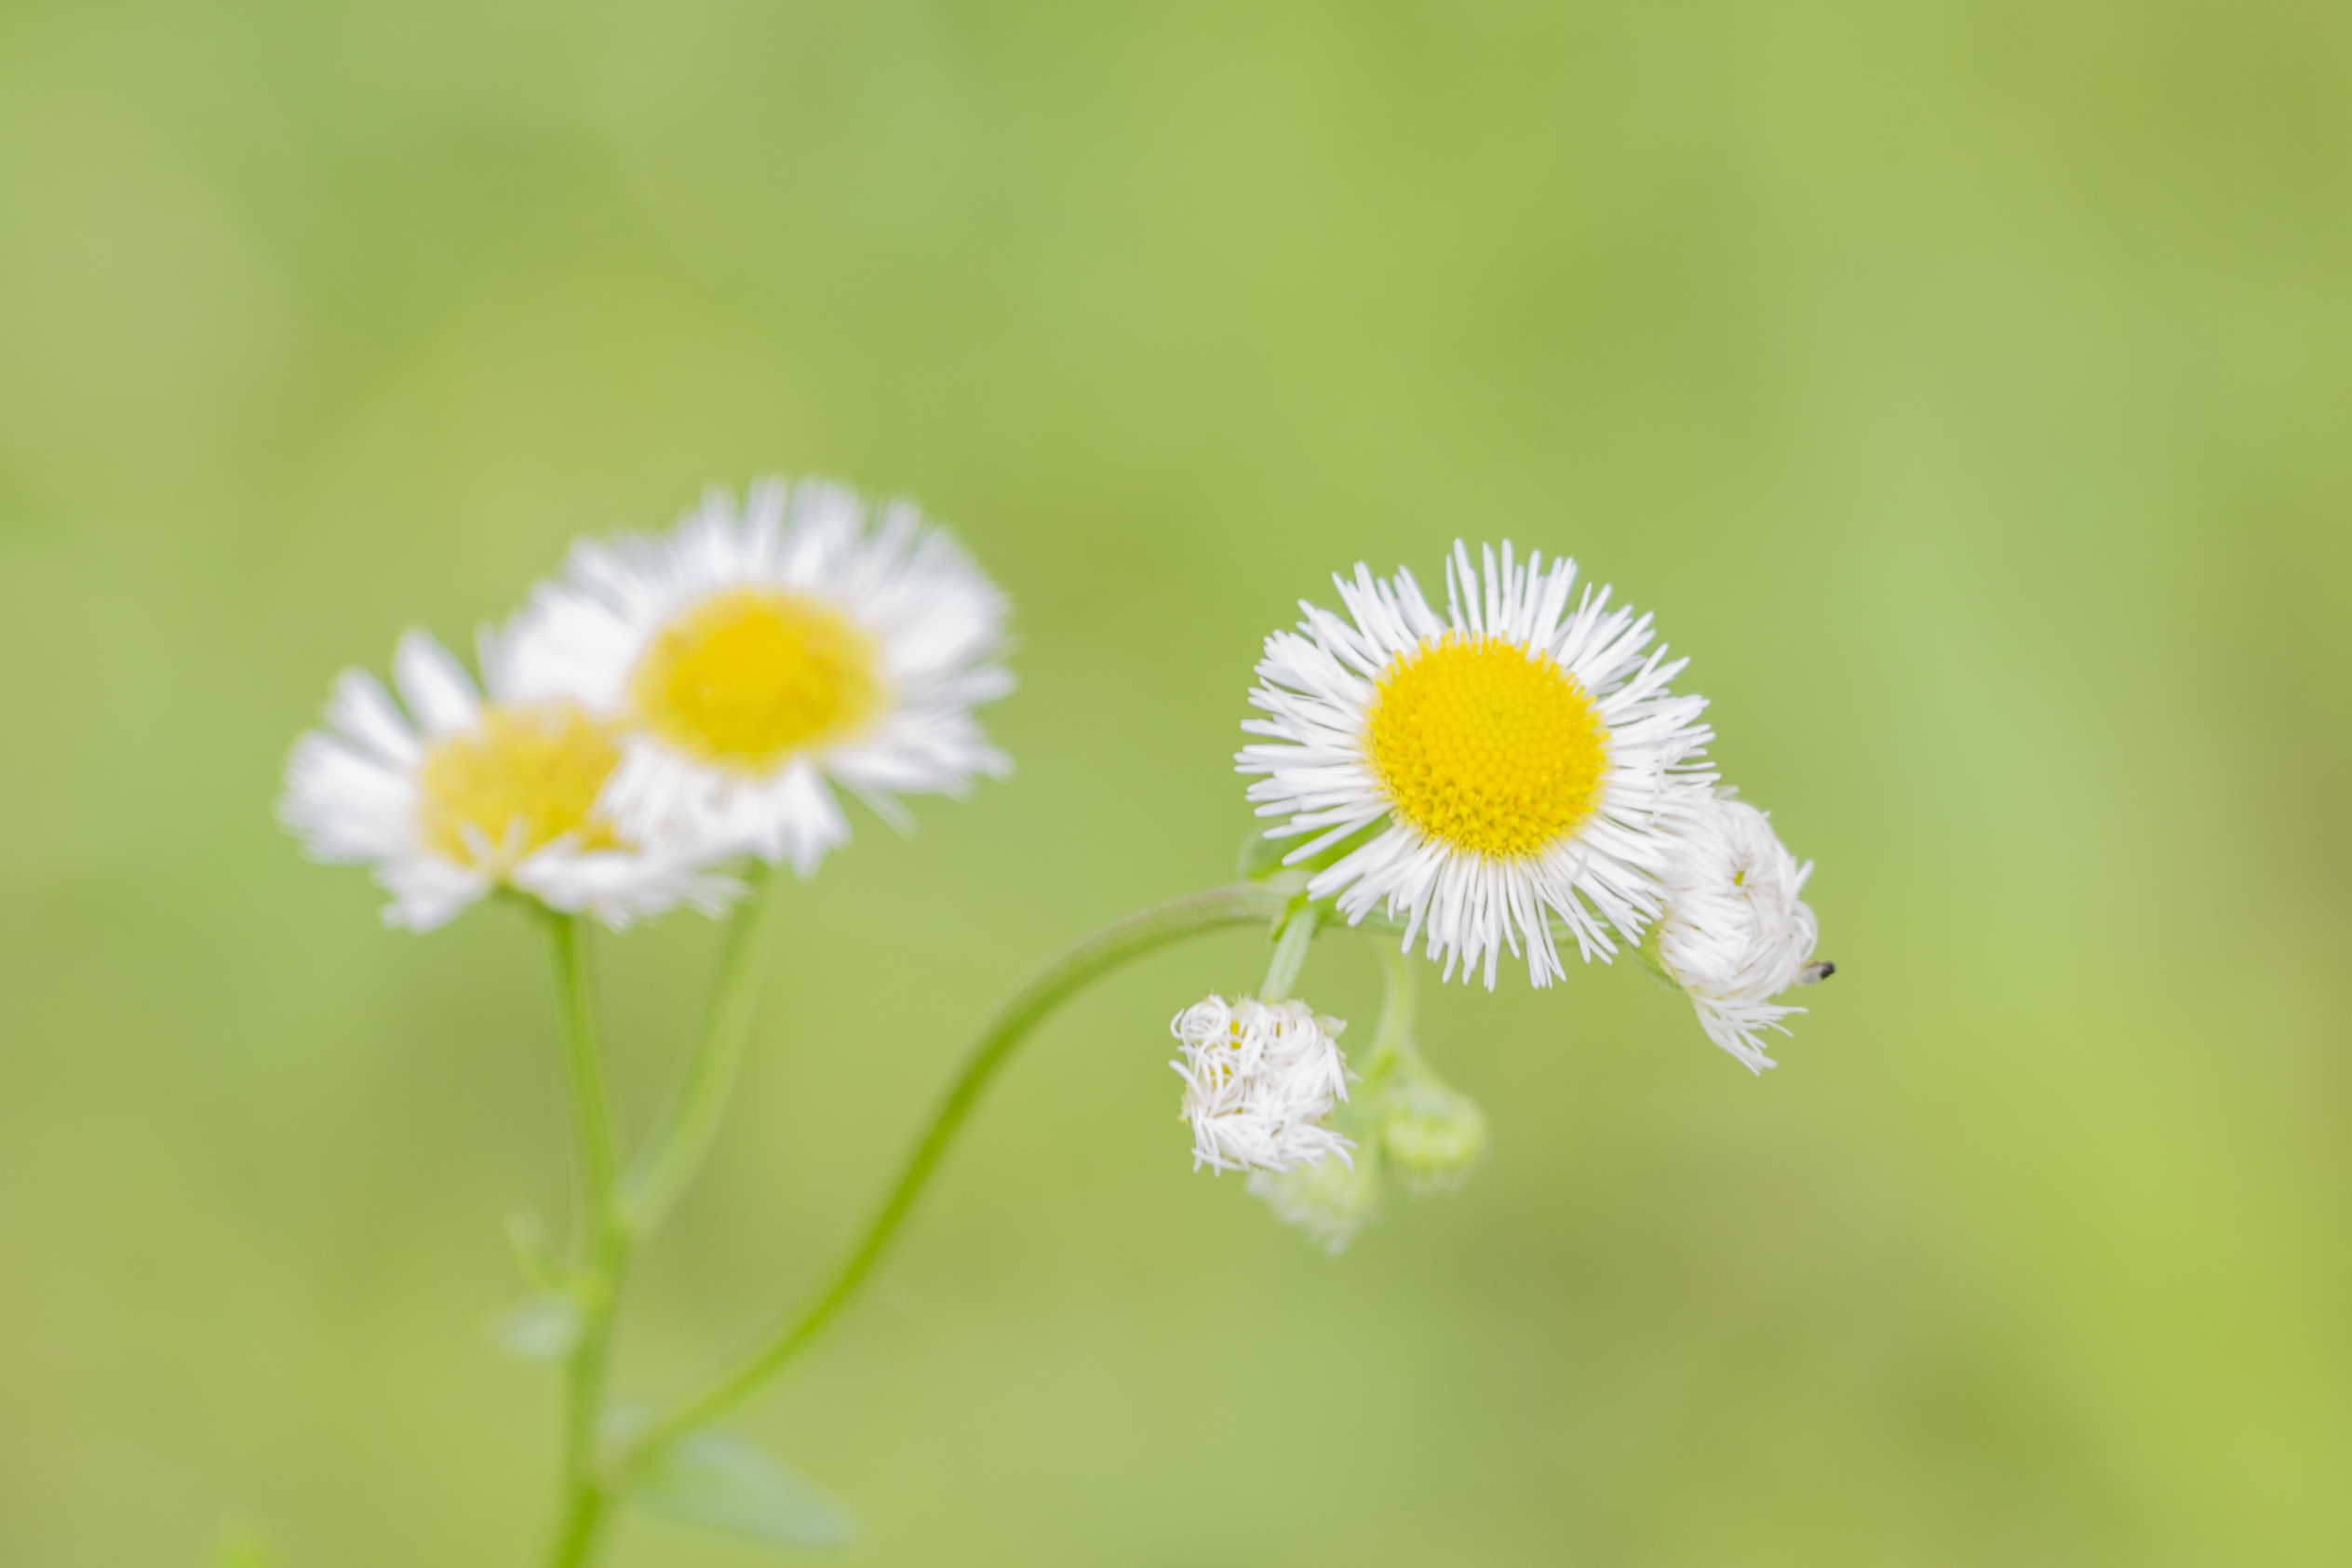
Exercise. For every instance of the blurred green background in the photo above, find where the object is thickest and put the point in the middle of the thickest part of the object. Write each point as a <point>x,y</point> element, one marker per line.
<point>1964,385</point>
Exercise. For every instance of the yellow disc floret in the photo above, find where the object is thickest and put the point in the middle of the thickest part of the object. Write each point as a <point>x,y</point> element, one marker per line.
<point>750,675</point>
<point>523,778</point>
<point>1485,745</point>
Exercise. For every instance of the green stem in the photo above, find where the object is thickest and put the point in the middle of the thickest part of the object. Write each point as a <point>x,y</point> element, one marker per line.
<point>604,1247</point>
<point>582,1523</point>
<point>689,1122</point>
<point>1392,1042</point>
<point>1055,984</point>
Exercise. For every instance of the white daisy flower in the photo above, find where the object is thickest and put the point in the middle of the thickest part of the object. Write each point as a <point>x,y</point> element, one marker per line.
<point>751,656</point>
<point>1259,1078</point>
<point>1518,756</point>
<point>469,796</point>
<point>1735,934</point>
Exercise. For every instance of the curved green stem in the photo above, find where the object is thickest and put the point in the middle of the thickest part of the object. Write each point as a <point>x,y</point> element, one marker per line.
<point>689,1122</point>
<point>1392,1042</point>
<point>1106,950</point>
<point>604,1245</point>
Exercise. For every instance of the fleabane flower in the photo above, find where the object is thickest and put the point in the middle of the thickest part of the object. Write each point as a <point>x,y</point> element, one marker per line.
<point>1513,758</point>
<point>1329,1201</point>
<point>1259,1078</point>
<point>1735,934</point>
<point>754,658</point>
<point>455,796</point>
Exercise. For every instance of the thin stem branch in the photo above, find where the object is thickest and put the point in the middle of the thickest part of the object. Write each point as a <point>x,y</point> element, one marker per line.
<point>1055,984</point>
<point>591,1108</point>
<point>1393,1041</point>
<point>689,1122</point>
<point>603,1251</point>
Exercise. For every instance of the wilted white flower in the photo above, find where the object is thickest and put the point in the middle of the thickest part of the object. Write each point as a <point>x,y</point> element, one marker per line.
<point>1259,1078</point>
<point>471,796</point>
<point>750,657</point>
<point>1735,934</point>
<point>1329,1199</point>
<point>1518,754</point>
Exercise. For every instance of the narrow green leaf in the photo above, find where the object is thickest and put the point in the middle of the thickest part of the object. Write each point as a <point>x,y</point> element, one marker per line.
<point>533,1252</point>
<point>1647,954</point>
<point>1261,858</point>
<point>718,1481</point>
<point>539,1328</point>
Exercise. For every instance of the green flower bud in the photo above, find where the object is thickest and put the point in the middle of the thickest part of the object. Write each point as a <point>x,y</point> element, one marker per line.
<point>1328,1199</point>
<point>1432,1133</point>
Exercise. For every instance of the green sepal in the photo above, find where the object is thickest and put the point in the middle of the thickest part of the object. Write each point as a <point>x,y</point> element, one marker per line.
<point>715,1481</point>
<point>1645,954</point>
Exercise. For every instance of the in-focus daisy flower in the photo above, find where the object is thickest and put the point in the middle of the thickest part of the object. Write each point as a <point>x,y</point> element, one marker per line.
<point>751,656</point>
<point>1518,757</point>
<point>456,797</point>
<point>1329,1199</point>
<point>1735,934</point>
<point>1259,1078</point>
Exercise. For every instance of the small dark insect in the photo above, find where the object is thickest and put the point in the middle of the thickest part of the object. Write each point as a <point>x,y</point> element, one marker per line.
<point>1814,973</point>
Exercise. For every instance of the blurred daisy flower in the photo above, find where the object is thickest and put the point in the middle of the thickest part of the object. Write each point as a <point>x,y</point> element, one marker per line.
<point>1330,1200</point>
<point>1259,1079</point>
<point>1407,1125</point>
<point>1510,760</point>
<point>753,657</point>
<point>1735,934</point>
<point>456,797</point>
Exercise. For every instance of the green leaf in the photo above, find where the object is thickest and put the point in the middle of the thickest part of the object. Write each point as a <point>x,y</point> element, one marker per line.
<point>533,1252</point>
<point>539,1328</point>
<point>718,1481</point>
<point>1261,857</point>
<point>1647,955</point>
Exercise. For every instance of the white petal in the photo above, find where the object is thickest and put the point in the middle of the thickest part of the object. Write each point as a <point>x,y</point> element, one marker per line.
<point>434,686</point>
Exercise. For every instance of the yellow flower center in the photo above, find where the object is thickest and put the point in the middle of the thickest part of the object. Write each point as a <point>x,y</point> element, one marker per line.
<point>1485,746</point>
<point>524,777</point>
<point>750,675</point>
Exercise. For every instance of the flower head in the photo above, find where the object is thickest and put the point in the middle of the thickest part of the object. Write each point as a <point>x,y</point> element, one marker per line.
<point>754,658</point>
<point>456,797</point>
<point>1512,760</point>
<point>1735,934</point>
<point>1329,1199</point>
<point>1259,1078</point>
<point>1432,1131</point>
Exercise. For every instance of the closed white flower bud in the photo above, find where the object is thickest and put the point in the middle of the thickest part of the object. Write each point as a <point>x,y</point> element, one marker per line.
<point>1735,934</point>
<point>1433,1134</point>
<point>1259,1078</point>
<point>1329,1199</point>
